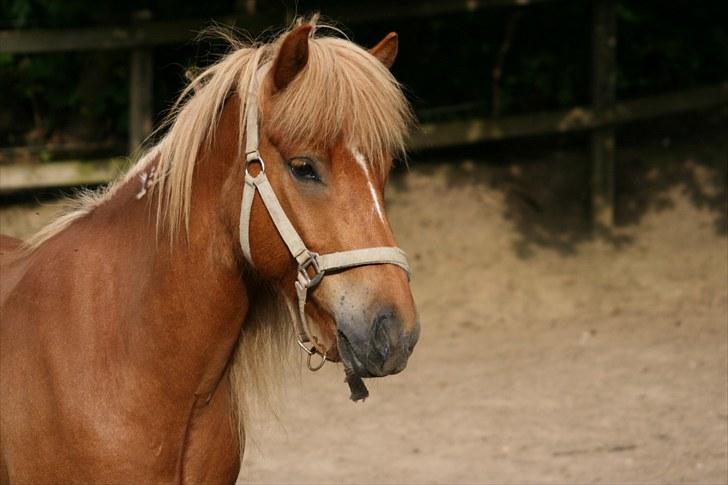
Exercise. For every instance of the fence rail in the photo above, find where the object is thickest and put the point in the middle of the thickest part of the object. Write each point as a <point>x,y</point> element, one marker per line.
<point>476,130</point>
<point>154,33</point>
<point>143,34</point>
<point>67,173</point>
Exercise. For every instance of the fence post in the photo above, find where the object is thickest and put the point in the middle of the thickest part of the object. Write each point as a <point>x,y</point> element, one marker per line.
<point>140,90</point>
<point>604,94</point>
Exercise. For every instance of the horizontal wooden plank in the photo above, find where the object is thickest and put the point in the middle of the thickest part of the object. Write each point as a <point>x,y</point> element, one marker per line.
<point>474,130</point>
<point>171,32</point>
<point>55,40</point>
<point>60,151</point>
<point>147,34</point>
<point>59,174</point>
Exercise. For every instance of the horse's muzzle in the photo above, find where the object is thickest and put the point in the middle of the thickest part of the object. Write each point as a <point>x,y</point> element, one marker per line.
<point>379,349</point>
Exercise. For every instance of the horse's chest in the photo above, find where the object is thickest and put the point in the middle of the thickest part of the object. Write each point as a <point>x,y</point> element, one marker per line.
<point>212,453</point>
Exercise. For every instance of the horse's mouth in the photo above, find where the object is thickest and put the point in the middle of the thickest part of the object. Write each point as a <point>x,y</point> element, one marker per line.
<point>352,365</point>
<point>368,361</point>
<point>353,368</point>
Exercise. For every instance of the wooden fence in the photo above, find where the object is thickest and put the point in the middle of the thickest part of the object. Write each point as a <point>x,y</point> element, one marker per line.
<point>142,35</point>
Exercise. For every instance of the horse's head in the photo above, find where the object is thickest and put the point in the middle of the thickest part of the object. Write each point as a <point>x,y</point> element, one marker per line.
<point>331,119</point>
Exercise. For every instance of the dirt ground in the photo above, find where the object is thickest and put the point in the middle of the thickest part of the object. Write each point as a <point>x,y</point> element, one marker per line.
<point>546,355</point>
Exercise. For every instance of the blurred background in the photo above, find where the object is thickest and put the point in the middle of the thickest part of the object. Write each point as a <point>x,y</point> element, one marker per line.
<point>564,206</point>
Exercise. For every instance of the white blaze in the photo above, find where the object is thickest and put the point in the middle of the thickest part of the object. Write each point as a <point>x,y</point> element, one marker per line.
<point>362,162</point>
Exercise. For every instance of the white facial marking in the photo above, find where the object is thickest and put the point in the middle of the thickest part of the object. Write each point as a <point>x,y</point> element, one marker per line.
<point>362,162</point>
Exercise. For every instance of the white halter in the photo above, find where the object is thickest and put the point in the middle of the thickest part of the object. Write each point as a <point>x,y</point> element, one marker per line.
<point>311,266</point>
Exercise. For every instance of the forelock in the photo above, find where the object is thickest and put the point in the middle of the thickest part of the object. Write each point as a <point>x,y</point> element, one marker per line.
<point>345,95</point>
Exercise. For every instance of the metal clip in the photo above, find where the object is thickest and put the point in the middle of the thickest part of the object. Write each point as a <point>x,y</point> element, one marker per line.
<point>315,368</point>
<point>311,262</point>
<point>311,352</point>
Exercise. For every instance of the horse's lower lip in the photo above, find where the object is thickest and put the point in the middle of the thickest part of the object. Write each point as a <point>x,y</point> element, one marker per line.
<point>352,365</point>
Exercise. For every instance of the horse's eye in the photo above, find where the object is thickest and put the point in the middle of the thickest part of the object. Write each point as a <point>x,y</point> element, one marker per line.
<point>302,169</point>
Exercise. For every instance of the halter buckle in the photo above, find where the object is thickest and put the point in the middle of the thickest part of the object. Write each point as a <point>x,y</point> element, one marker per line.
<point>311,261</point>
<point>254,157</point>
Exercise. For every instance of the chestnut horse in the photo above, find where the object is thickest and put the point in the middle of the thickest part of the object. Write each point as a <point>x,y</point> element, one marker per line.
<point>134,326</point>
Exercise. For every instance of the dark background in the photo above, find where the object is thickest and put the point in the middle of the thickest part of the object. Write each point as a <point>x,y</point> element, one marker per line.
<point>446,62</point>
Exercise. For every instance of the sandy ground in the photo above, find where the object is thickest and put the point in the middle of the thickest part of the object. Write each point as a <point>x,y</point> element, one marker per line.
<point>546,355</point>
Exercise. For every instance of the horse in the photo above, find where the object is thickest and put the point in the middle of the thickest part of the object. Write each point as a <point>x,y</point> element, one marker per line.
<point>135,326</point>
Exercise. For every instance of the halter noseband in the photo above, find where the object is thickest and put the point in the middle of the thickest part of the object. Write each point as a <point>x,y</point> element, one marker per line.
<point>311,266</point>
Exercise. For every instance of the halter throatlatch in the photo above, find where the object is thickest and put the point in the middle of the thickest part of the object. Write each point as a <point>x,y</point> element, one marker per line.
<point>311,266</point>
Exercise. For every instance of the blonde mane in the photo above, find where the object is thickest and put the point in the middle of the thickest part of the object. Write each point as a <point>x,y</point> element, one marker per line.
<point>342,92</point>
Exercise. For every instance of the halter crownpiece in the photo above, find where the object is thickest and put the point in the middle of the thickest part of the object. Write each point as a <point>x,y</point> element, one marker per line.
<point>312,267</point>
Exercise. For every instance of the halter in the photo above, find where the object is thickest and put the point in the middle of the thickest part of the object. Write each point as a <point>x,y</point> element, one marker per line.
<point>312,266</point>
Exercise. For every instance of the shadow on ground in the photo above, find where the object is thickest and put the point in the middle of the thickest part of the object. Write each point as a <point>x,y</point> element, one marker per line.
<point>545,182</point>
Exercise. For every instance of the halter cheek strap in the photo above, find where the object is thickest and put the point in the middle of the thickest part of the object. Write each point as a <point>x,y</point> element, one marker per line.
<point>311,266</point>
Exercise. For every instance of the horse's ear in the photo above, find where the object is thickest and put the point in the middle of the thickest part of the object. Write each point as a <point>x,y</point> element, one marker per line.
<point>292,57</point>
<point>386,50</point>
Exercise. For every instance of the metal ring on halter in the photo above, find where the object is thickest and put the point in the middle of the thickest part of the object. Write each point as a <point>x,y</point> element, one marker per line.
<point>311,352</point>
<point>312,368</point>
<point>253,157</point>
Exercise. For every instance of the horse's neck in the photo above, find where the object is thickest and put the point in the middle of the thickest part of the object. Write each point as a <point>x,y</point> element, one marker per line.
<point>177,307</point>
<point>197,300</point>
